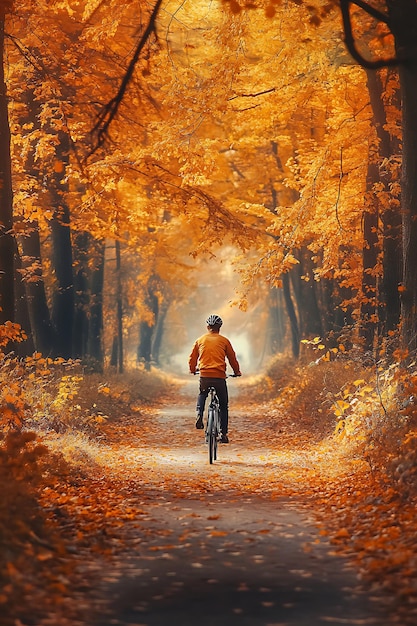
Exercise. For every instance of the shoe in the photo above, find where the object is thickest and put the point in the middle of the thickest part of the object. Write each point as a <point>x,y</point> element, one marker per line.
<point>199,424</point>
<point>224,439</point>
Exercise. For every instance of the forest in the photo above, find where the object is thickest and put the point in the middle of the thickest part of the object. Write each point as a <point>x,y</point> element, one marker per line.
<point>164,160</point>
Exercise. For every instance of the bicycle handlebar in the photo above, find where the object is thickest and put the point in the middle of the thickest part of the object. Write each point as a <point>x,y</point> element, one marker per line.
<point>227,376</point>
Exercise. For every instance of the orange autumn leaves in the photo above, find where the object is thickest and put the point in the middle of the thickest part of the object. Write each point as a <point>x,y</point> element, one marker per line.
<point>275,452</point>
<point>227,147</point>
<point>103,500</point>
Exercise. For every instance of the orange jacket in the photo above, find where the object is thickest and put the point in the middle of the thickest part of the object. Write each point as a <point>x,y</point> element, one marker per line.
<point>209,353</point>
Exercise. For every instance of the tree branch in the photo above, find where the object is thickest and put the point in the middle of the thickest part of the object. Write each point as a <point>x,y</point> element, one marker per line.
<point>109,111</point>
<point>253,95</point>
<point>378,15</point>
<point>350,40</point>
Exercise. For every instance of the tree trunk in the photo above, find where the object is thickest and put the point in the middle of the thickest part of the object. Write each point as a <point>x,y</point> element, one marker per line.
<point>40,321</point>
<point>409,210</point>
<point>158,334</point>
<point>306,296</point>
<point>392,262</point>
<point>119,309</point>
<point>326,304</point>
<point>27,347</point>
<point>88,310</point>
<point>145,344</point>
<point>276,327</point>
<point>63,300</point>
<point>388,297</point>
<point>368,319</point>
<point>114,352</point>
<point>7,242</point>
<point>404,15</point>
<point>30,243</point>
<point>146,330</point>
<point>409,206</point>
<point>81,293</point>
<point>295,330</point>
<point>95,331</point>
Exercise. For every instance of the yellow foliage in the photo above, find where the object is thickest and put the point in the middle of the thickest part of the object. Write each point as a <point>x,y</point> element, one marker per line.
<point>340,407</point>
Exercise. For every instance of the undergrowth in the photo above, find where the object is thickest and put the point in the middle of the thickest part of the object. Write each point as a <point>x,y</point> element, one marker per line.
<point>51,415</point>
<point>369,413</point>
<point>370,410</point>
<point>33,558</point>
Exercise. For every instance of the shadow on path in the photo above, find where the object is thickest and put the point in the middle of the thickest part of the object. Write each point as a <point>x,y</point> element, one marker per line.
<point>229,554</point>
<point>247,563</point>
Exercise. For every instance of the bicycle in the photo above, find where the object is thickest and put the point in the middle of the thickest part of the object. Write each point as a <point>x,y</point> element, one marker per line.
<point>213,430</point>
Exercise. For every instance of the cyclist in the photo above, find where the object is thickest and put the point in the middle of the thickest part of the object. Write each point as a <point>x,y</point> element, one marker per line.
<point>209,355</point>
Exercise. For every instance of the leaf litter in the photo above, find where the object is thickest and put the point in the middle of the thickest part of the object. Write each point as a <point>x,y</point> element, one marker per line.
<point>146,462</point>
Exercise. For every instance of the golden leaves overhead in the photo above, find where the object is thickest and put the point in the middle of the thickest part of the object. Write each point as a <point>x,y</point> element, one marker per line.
<point>230,126</point>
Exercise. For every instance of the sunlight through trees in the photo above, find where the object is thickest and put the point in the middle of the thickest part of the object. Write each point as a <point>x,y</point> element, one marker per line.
<point>212,129</point>
<point>160,161</point>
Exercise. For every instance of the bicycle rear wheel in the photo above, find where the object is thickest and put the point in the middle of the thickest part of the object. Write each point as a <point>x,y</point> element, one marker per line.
<point>216,432</point>
<point>211,436</point>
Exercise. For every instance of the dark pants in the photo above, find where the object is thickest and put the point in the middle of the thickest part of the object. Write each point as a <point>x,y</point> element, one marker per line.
<point>221,389</point>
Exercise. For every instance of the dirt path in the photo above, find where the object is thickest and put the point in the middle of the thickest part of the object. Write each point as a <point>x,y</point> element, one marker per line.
<point>232,543</point>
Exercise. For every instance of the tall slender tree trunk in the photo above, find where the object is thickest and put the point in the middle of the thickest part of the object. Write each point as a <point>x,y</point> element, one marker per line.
<point>276,326</point>
<point>7,242</point>
<point>388,304</point>
<point>88,310</point>
<point>409,206</point>
<point>40,322</point>
<point>119,308</point>
<point>95,331</point>
<point>392,263</point>
<point>302,278</point>
<point>392,234</point>
<point>63,300</point>
<point>29,241</point>
<point>404,16</point>
<point>27,347</point>
<point>145,344</point>
<point>369,308</point>
<point>158,333</point>
<point>295,329</point>
<point>146,329</point>
<point>326,303</point>
<point>81,250</point>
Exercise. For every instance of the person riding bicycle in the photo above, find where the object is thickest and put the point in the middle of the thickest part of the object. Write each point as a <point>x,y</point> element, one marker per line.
<point>209,355</point>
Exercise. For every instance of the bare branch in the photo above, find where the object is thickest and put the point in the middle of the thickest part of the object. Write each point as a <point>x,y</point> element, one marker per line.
<point>110,110</point>
<point>378,15</point>
<point>253,95</point>
<point>350,40</point>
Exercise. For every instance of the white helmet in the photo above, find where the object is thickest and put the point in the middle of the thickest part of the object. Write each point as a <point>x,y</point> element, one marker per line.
<point>214,320</point>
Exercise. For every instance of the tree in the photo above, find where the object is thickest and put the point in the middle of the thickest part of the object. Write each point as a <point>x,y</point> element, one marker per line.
<point>320,131</point>
<point>7,241</point>
<point>51,174</point>
<point>400,18</point>
<point>382,219</point>
<point>246,141</point>
<point>378,38</point>
<point>63,301</point>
